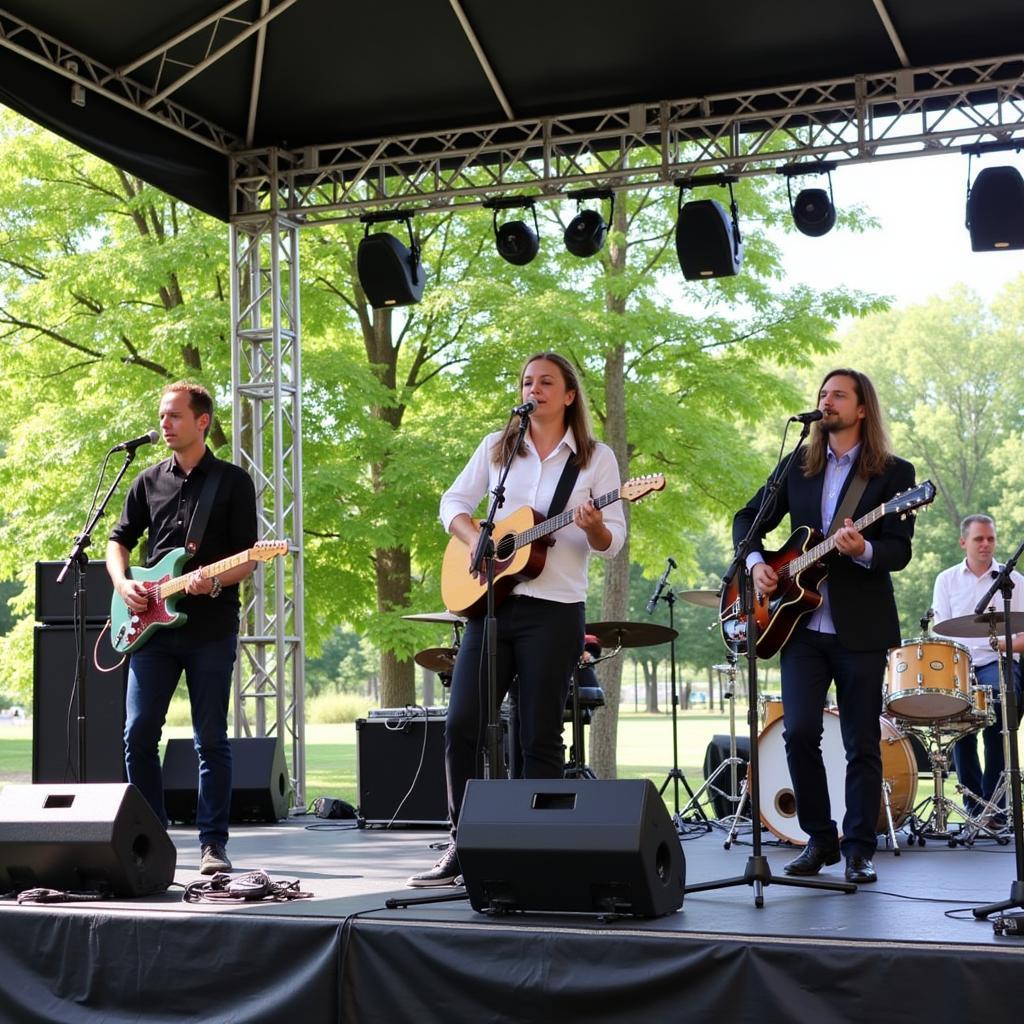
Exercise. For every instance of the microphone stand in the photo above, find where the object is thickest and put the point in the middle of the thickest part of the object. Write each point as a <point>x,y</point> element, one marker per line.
<point>485,553</point>
<point>78,560</point>
<point>758,872</point>
<point>1004,584</point>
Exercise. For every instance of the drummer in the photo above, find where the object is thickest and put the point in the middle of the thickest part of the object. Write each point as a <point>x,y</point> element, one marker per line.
<point>958,590</point>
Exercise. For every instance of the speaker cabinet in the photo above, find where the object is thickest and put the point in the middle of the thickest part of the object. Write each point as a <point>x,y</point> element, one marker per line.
<point>582,845</point>
<point>54,724</point>
<point>83,838</point>
<point>391,274</point>
<point>705,243</point>
<point>260,787</point>
<point>995,210</point>
<point>717,752</point>
<point>391,758</point>
<point>55,601</point>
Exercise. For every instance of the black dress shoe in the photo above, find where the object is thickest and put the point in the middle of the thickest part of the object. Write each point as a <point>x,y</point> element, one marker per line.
<point>860,869</point>
<point>812,860</point>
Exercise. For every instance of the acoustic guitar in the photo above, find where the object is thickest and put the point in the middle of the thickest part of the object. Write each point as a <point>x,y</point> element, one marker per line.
<point>520,541</point>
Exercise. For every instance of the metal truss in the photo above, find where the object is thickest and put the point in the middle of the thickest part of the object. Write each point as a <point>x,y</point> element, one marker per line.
<point>267,416</point>
<point>904,113</point>
<point>85,74</point>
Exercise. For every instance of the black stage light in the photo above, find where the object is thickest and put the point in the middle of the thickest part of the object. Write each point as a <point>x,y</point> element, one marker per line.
<point>708,240</point>
<point>995,210</point>
<point>814,209</point>
<point>587,231</point>
<point>516,242</point>
<point>585,234</point>
<point>390,274</point>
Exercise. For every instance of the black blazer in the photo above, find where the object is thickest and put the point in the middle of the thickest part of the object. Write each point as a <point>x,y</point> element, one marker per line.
<point>862,602</point>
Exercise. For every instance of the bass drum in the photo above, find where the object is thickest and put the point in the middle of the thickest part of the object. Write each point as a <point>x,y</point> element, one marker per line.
<point>778,802</point>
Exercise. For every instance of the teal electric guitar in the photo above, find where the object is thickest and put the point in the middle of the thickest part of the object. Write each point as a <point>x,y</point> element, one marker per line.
<point>130,630</point>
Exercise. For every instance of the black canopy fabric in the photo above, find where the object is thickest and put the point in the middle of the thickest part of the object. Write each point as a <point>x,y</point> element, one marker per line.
<point>338,71</point>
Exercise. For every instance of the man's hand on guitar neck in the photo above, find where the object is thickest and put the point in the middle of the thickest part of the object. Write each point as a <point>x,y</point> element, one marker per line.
<point>849,540</point>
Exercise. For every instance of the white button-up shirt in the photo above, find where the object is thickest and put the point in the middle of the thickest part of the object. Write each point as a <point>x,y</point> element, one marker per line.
<point>957,592</point>
<point>532,482</point>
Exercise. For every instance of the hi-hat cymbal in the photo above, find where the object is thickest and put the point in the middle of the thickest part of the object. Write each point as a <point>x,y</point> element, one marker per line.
<point>631,634</point>
<point>437,659</point>
<point>980,625</point>
<point>445,616</point>
<point>705,598</point>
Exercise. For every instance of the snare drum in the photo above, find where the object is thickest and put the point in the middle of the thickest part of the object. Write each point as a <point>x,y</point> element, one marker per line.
<point>778,802</point>
<point>928,679</point>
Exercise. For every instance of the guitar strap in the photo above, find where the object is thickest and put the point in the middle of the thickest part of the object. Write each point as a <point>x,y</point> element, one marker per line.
<point>201,516</point>
<point>566,482</point>
<point>849,502</point>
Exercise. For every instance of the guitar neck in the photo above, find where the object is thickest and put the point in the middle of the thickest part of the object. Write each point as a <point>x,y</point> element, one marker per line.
<point>178,584</point>
<point>562,519</point>
<point>819,551</point>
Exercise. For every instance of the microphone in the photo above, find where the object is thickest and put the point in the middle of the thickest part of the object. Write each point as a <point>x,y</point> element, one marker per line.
<point>656,596</point>
<point>137,442</point>
<point>525,409</point>
<point>807,417</point>
<point>926,619</point>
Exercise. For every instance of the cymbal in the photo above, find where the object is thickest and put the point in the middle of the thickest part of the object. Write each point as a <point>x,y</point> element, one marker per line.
<point>437,659</point>
<point>445,616</point>
<point>980,625</point>
<point>705,598</point>
<point>631,634</point>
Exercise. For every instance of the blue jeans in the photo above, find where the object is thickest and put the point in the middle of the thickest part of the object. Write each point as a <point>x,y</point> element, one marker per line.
<point>153,675</point>
<point>965,752</point>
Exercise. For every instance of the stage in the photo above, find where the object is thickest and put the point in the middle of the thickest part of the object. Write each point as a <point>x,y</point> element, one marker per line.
<point>882,953</point>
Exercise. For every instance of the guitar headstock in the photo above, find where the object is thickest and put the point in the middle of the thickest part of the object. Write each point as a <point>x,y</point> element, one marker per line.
<point>906,502</point>
<point>638,486</point>
<point>264,550</point>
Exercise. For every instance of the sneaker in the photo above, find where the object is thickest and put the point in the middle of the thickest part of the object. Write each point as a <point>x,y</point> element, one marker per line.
<point>213,859</point>
<point>444,872</point>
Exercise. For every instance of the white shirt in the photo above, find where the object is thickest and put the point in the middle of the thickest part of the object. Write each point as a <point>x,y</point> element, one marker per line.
<point>957,592</point>
<point>532,482</point>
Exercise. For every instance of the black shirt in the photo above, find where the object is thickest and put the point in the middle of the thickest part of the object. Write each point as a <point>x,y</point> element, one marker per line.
<point>161,502</point>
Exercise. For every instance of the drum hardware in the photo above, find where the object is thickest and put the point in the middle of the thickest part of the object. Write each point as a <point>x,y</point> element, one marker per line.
<point>577,767</point>
<point>445,618</point>
<point>984,625</point>
<point>437,659</point>
<point>440,659</point>
<point>735,794</point>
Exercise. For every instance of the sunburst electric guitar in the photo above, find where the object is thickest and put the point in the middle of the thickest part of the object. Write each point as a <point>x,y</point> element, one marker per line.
<point>801,570</point>
<point>130,630</point>
<point>521,541</point>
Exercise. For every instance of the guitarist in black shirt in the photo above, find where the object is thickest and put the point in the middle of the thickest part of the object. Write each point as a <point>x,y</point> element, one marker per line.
<point>161,504</point>
<point>846,637</point>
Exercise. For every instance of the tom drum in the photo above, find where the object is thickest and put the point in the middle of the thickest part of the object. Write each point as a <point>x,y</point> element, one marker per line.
<point>927,680</point>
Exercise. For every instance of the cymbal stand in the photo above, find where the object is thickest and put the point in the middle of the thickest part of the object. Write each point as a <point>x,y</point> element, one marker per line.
<point>1004,584</point>
<point>728,764</point>
<point>675,774</point>
<point>758,872</point>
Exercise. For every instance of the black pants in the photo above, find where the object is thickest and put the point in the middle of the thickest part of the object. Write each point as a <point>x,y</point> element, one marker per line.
<point>538,641</point>
<point>809,662</point>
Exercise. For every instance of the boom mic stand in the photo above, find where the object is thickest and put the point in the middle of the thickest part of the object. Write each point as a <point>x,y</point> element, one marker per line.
<point>1004,583</point>
<point>758,872</point>
<point>78,560</point>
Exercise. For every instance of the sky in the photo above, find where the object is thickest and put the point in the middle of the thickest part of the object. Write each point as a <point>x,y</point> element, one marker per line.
<point>921,247</point>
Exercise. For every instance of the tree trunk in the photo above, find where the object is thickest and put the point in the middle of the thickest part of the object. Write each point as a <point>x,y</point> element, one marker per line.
<point>397,678</point>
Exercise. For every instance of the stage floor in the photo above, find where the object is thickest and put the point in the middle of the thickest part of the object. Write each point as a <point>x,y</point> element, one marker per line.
<point>887,950</point>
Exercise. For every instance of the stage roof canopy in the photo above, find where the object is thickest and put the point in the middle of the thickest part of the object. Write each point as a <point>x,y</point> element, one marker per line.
<point>168,90</point>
